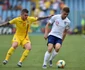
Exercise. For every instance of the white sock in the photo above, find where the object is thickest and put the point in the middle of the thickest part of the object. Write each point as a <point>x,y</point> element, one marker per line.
<point>46,57</point>
<point>54,53</point>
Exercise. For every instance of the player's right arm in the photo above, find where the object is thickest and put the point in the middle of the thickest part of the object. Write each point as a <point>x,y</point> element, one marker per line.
<point>46,30</point>
<point>50,22</point>
<point>13,21</point>
<point>5,23</point>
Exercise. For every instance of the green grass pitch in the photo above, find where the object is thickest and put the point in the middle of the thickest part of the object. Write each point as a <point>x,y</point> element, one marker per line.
<point>72,51</point>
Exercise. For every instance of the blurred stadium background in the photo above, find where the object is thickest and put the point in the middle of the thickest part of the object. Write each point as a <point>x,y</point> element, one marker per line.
<point>10,9</point>
<point>72,52</point>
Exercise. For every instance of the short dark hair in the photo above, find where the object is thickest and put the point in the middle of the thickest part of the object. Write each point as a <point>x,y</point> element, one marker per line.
<point>66,9</point>
<point>24,11</point>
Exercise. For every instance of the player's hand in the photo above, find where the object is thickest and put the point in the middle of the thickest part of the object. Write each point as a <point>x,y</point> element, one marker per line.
<point>45,36</point>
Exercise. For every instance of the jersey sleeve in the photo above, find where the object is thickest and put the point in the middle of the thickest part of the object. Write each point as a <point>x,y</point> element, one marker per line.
<point>68,26</point>
<point>32,19</point>
<point>13,21</point>
<point>52,20</point>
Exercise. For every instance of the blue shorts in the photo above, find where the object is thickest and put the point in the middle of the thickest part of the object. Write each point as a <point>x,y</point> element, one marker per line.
<point>53,40</point>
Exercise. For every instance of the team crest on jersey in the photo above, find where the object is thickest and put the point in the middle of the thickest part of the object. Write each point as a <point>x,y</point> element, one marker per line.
<point>57,23</point>
<point>65,22</point>
<point>27,22</point>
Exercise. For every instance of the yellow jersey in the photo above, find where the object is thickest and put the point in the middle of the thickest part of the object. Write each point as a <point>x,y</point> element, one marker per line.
<point>21,26</point>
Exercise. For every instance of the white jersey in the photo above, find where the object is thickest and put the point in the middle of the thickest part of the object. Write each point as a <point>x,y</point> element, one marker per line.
<point>59,25</point>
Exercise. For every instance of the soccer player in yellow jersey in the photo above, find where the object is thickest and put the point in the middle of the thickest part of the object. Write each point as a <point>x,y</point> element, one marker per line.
<point>21,36</point>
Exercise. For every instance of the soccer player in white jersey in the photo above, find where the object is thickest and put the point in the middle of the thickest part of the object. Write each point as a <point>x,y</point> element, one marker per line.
<point>60,25</point>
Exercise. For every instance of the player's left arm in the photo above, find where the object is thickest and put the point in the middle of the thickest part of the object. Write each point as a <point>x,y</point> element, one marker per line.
<point>34,19</point>
<point>66,31</point>
<point>41,18</point>
<point>64,34</point>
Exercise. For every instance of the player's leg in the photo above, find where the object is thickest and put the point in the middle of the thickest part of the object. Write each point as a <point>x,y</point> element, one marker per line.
<point>11,50</point>
<point>50,47</point>
<point>56,49</point>
<point>25,54</point>
<point>54,53</point>
<point>27,46</point>
<point>47,55</point>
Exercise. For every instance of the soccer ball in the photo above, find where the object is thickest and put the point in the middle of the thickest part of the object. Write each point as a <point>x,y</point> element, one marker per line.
<point>61,64</point>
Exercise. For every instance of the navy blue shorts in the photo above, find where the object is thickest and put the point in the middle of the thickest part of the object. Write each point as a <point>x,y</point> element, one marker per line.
<point>53,40</point>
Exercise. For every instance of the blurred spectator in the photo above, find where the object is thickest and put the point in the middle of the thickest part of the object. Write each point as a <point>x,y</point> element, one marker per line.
<point>62,5</point>
<point>41,5</point>
<point>1,2</point>
<point>33,6</point>
<point>1,28</point>
<point>36,12</point>
<point>47,4</point>
<point>34,27</point>
<point>83,24</point>
<point>1,20</point>
<point>42,22</point>
<point>42,14</point>
<point>6,5</point>
<point>8,18</point>
<point>55,5</point>
<point>18,6</point>
<point>52,12</point>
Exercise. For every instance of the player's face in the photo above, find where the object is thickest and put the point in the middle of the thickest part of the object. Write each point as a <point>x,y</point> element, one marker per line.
<point>24,16</point>
<point>64,14</point>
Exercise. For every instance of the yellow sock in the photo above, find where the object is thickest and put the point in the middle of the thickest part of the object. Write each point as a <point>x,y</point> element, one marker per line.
<point>9,53</point>
<point>24,55</point>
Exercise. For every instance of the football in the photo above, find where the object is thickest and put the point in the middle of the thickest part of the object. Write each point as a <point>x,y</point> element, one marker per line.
<point>61,64</point>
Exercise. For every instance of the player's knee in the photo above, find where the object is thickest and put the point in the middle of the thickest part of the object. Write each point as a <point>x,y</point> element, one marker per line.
<point>28,47</point>
<point>57,49</point>
<point>49,50</point>
<point>15,45</point>
<point>50,47</point>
